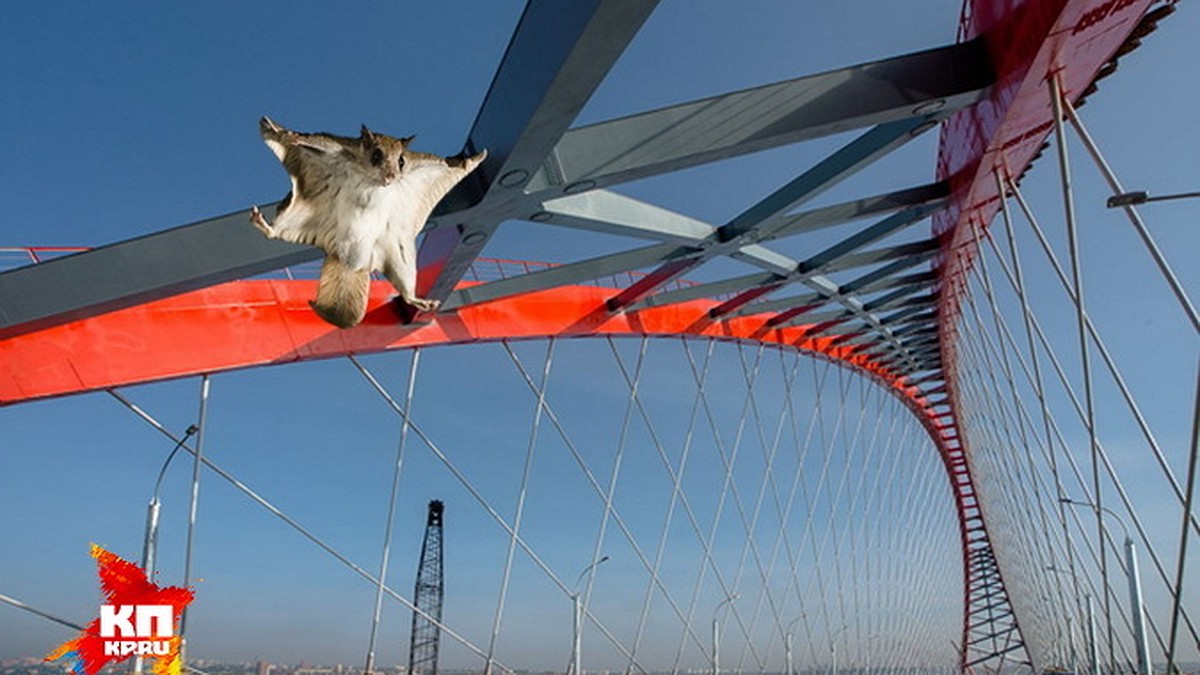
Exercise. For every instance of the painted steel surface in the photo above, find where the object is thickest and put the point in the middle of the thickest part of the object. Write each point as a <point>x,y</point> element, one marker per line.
<point>257,323</point>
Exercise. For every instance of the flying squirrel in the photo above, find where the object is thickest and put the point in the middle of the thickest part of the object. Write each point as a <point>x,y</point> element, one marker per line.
<point>363,201</point>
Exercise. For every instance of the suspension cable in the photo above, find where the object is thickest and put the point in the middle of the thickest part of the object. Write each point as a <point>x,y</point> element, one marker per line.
<point>397,469</point>
<point>1143,232</point>
<point>274,510</point>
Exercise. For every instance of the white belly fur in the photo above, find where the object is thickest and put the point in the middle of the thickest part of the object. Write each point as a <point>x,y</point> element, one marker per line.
<point>349,226</point>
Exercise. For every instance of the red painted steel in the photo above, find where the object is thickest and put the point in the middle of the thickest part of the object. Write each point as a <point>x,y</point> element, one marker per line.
<point>256,323</point>
<point>1028,41</point>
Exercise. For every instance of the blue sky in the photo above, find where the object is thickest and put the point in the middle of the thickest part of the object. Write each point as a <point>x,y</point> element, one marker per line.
<point>117,121</point>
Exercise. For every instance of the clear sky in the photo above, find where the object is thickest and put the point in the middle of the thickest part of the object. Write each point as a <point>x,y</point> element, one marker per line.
<point>121,120</point>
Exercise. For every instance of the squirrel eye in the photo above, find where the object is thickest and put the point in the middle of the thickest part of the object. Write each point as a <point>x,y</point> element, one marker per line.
<point>376,157</point>
<point>400,162</point>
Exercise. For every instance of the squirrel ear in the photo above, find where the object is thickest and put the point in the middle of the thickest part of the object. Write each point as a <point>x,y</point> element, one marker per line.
<point>365,135</point>
<point>407,140</point>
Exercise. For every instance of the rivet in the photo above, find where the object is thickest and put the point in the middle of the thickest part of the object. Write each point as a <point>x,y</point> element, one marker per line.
<point>541,217</point>
<point>930,107</point>
<point>514,178</point>
<point>474,238</point>
<point>922,128</point>
<point>581,186</point>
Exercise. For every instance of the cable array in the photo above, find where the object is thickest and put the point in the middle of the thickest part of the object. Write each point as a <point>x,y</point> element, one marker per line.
<point>1055,432</point>
<point>804,498</point>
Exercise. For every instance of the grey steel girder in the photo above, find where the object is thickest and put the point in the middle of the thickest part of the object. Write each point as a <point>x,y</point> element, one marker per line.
<point>140,270</point>
<point>612,213</point>
<point>558,56</point>
<point>892,300</point>
<point>735,235</point>
<point>942,79</point>
<point>755,224</point>
<point>759,284</point>
<point>574,273</point>
<point>856,285</point>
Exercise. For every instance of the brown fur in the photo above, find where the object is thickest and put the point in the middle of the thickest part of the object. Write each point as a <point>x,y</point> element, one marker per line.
<point>363,201</point>
<point>341,293</point>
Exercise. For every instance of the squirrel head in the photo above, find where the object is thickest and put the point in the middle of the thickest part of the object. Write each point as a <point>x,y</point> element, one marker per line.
<point>382,156</point>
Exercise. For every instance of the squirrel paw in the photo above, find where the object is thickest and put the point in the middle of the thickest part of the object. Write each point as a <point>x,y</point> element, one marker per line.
<point>272,131</point>
<point>425,304</point>
<point>257,219</point>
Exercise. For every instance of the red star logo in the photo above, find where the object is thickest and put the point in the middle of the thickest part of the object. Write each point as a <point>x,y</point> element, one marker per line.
<point>137,619</point>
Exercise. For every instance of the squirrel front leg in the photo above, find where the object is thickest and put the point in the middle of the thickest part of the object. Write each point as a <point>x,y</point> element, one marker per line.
<point>259,221</point>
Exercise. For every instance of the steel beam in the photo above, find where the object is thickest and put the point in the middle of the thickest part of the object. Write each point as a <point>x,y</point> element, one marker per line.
<point>708,130</point>
<point>879,255</point>
<point>888,277</point>
<point>846,212</point>
<point>837,214</point>
<point>869,235</point>
<point>674,261</point>
<point>140,270</point>
<point>756,223</point>
<point>612,213</point>
<point>808,301</point>
<point>558,55</point>
<point>754,286</point>
<point>707,290</point>
<point>563,275</point>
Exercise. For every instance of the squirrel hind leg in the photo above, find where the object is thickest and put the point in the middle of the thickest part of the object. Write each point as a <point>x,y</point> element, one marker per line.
<point>423,304</point>
<point>401,271</point>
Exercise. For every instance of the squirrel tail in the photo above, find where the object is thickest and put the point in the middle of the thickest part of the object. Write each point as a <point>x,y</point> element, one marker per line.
<point>342,293</point>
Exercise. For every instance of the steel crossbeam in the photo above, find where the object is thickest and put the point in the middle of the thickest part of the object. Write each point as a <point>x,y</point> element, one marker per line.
<point>140,270</point>
<point>754,224</point>
<point>556,58</point>
<point>712,129</point>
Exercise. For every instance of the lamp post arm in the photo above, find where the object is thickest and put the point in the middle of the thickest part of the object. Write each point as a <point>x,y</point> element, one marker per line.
<point>589,568</point>
<point>1141,197</point>
<point>1105,509</point>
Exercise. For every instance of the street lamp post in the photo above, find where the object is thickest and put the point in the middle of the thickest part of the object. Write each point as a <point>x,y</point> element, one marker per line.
<point>787,645</point>
<point>833,649</point>
<point>1091,627</point>
<point>1093,648</point>
<point>577,622</point>
<point>1071,646</point>
<point>787,654</point>
<point>1135,601</point>
<point>871,651</point>
<point>1136,612</point>
<point>150,537</point>
<point>716,633</point>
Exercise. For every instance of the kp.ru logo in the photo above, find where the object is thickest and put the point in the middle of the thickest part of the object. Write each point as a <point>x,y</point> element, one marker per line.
<point>143,637</point>
<point>137,619</point>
